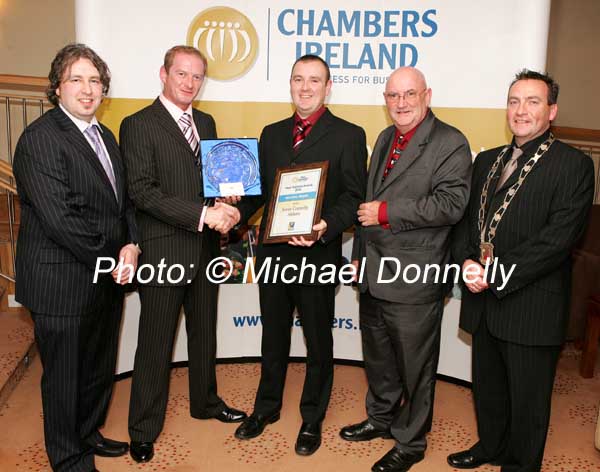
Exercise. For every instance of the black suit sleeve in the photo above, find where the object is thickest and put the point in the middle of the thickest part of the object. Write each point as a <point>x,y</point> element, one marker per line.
<point>547,249</point>
<point>43,180</point>
<point>249,205</point>
<point>353,168</point>
<point>144,185</point>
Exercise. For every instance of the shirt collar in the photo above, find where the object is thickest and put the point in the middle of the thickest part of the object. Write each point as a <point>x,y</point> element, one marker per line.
<point>530,146</point>
<point>173,109</point>
<point>82,125</point>
<point>406,137</point>
<point>312,119</point>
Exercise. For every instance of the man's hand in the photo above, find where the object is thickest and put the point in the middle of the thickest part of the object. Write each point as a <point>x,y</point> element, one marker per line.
<point>368,213</point>
<point>474,279</point>
<point>230,200</point>
<point>222,217</point>
<point>320,228</point>
<point>128,258</point>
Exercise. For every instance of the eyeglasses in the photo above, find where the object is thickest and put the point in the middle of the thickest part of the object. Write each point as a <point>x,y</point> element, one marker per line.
<point>410,96</point>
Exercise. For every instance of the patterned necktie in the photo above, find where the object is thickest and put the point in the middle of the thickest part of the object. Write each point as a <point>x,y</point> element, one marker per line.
<point>92,132</point>
<point>396,153</point>
<point>510,167</point>
<point>300,133</point>
<point>185,123</point>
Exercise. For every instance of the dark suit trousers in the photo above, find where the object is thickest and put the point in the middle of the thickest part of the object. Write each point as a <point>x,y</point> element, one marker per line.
<point>78,355</point>
<point>401,348</point>
<point>159,317</point>
<point>315,306</point>
<point>512,389</point>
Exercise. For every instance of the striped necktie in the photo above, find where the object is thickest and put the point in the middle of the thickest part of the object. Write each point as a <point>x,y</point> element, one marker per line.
<point>92,133</point>
<point>185,123</point>
<point>300,132</point>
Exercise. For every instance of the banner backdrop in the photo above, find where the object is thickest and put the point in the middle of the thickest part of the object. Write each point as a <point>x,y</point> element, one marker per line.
<point>469,51</point>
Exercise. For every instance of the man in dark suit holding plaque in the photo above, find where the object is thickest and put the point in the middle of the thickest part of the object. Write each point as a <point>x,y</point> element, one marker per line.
<point>528,207</point>
<point>160,147</point>
<point>417,190</point>
<point>313,134</point>
<point>74,211</point>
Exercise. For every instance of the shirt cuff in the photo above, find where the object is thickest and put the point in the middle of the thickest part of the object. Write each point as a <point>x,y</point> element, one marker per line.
<point>202,216</point>
<point>382,215</point>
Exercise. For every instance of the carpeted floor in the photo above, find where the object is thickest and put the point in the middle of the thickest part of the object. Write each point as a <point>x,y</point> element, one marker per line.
<point>189,445</point>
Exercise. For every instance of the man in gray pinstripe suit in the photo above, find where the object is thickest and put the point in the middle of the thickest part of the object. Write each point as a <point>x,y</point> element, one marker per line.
<point>528,210</point>
<point>74,209</point>
<point>160,150</point>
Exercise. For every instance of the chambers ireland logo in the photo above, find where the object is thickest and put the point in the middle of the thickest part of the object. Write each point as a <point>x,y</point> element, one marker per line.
<point>227,39</point>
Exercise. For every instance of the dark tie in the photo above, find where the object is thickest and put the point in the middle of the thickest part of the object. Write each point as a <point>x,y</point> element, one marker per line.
<point>185,123</point>
<point>510,167</point>
<point>300,132</point>
<point>396,153</point>
<point>92,132</point>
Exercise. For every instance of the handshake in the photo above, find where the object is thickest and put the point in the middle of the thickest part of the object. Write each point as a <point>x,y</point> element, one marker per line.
<point>222,217</point>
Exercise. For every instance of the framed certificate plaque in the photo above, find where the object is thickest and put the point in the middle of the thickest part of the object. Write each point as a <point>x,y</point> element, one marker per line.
<point>296,202</point>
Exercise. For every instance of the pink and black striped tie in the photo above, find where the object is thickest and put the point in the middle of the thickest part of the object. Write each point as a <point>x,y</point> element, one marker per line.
<point>185,123</point>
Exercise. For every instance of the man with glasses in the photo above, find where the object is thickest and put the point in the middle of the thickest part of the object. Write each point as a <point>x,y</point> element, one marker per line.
<point>418,187</point>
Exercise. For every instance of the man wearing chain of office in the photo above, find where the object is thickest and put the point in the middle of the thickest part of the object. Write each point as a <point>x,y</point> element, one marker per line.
<point>529,204</point>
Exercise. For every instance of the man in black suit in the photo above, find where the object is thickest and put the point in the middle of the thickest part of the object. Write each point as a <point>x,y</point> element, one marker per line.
<point>160,149</point>
<point>418,188</point>
<point>318,136</point>
<point>74,209</point>
<point>529,211</point>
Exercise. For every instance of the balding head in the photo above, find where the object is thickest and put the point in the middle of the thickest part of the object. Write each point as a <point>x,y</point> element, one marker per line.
<point>407,98</point>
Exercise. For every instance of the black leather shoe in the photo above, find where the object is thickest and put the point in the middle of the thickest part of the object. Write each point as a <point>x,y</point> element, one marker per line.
<point>108,447</point>
<point>466,460</point>
<point>141,451</point>
<point>226,415</point>
<point>309,439</point>
<point>397,461</point>
<point>364,431</point>
<point>254,425</point>
<point>230,415</point>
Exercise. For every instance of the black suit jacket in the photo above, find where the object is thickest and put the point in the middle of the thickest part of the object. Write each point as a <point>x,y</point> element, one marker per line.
<point>69,215</point>
<point>537,233</point>
<point>332,139</point>
<point>165,184</point>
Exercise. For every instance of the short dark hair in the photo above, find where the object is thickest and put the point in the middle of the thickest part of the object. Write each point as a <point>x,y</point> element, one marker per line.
<point>312,57</point>
<point>171,53</point>
<point>553,87</point>
<point>65,59</point>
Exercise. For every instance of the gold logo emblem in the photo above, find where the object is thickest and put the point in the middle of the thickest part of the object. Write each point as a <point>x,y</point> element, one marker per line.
<point>227,39</point>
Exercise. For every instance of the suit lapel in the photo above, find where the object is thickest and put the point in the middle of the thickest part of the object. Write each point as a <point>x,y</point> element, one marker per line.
<point>412,152</point>
<point>80,143</point>
<point>165,120</point>
<point>319,130</point>
<point>378,160</point>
